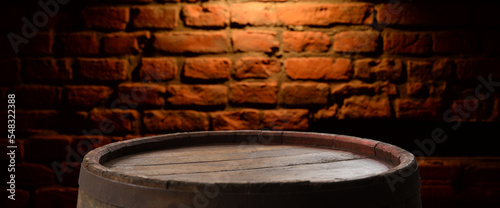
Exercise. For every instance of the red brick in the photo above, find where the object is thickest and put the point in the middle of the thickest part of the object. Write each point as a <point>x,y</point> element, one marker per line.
<point>416,89</point>
<point>63,197</point>
<point>84,144</point>
<point>103,69</point>
<point>175,121</point>
<point>471,68</point>
<point>198,95</point>
<point>419,70</point>
<point>205,15</point>
<point>191,42</point>
<point>286,119</point>
<point>378,69</point>
<point>207,68</point>
<point>255,40</point>
<point>36,121</point>
<point>409,108</point>
<point>460,110</point>
<point>125,43</point>
<point>87,95</point>
<point>355,88</point>
<point>306,41</point>
<point>114,121</point>
<point>48,69</point>
<point>79,43</point>
<point>47,148</point>
<point>141,94</point>
<point>256,67</point>
<point>364,107</point>
<point>356,41</point>
<point>318,68</point>
<point>326,113</point>
<point>158,69</point>
<point>32,175</point>
<point>37,95</point>
<point>308,93</point>
<point>491,42</point>
<point>154,17</point>
<point>13,74</point>
<point>325,14</point>
<point>407,42</point>
<point>108,18</point>
<point>236,120</point>
<point>41,44</point>
<point>455,42</point>
<point>256,14</point>
<point>415,14</point>
<point>253,93</point>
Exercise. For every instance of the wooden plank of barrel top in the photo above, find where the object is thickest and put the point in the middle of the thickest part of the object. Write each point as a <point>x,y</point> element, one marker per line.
<point>249,169</point>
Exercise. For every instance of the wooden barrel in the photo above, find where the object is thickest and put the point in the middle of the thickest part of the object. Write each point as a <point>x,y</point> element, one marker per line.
<point>249,169</point>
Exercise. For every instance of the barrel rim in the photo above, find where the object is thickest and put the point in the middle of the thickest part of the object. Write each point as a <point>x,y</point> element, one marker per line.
<point>404,162</point>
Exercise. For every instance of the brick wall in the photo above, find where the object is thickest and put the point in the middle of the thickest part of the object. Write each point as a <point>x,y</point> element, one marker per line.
<point>88,73</point>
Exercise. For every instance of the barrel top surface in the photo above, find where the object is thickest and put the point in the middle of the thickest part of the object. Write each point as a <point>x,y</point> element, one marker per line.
<point>237,163</point>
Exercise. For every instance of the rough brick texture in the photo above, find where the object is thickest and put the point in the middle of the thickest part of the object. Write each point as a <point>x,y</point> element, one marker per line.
<point>141,94</point>
<point>117,121</point>
<point>325,14</point>
<point>408,14</point>
<point>87,95</point>
<point>255,40</point>
<point>158,69</point>
<point>357,107</point>
<point>407,43</point>
<point>285,119</point>
<point>241,119</point>
<point>125,43</point>
<point>256,67</point>
<point>207,68</point>
<point>308,93</point>
<point>256,14</point>
<point>79,43</point>
<point>191,42</point>
<point>108,18</point>
<point>253,93</point>
<point>356,41</point>
<point>318,68</point>
<point>206,16</point>
<point>306,41</point>
<point>172,121</point>
<point>103,69</point>
<point>198,95</point>
<point>154,17</point>
<point>408,108</point>
<point>381,69</point>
